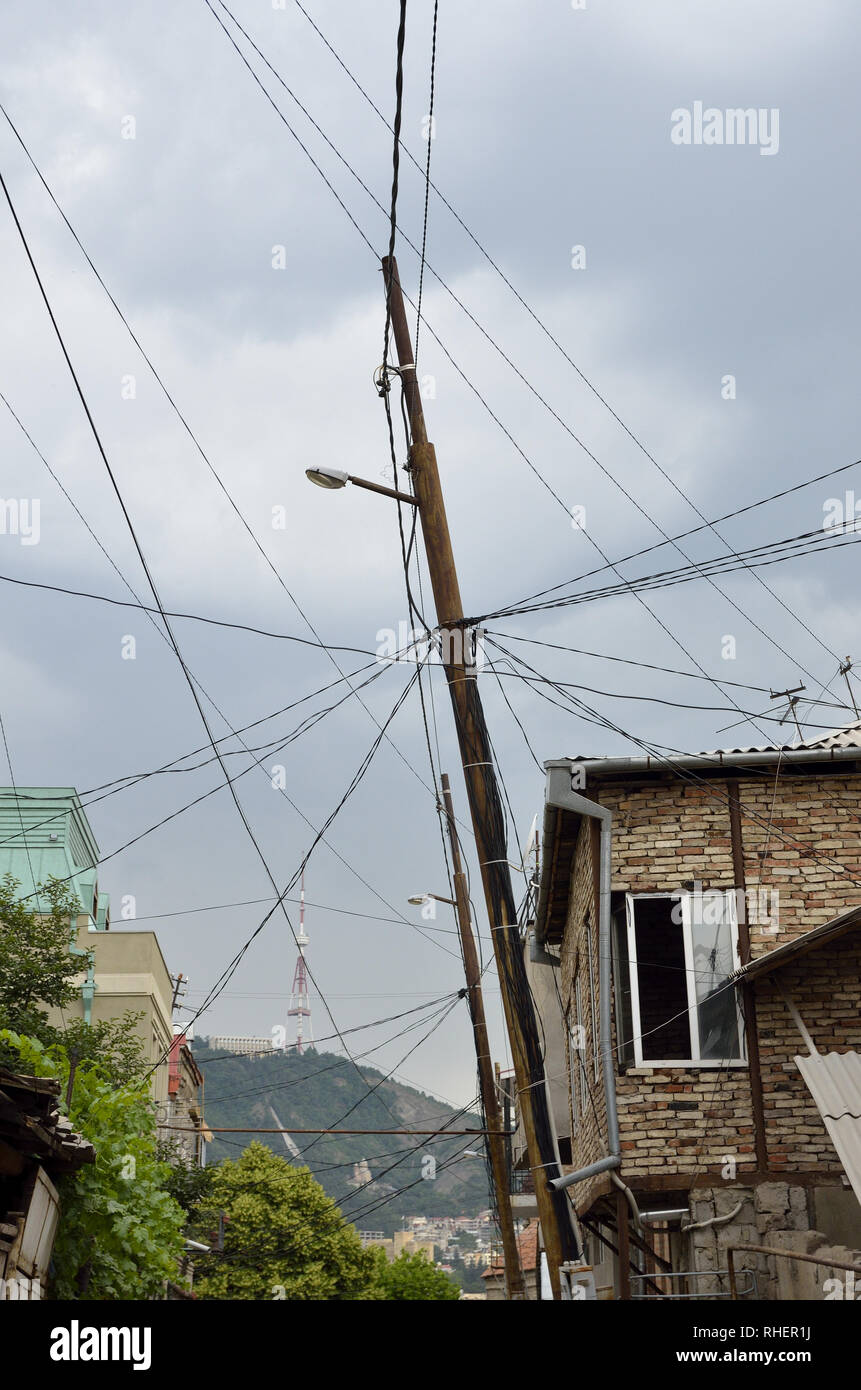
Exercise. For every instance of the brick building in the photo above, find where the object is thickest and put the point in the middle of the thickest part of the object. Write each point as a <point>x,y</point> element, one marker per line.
<point>700,918</point>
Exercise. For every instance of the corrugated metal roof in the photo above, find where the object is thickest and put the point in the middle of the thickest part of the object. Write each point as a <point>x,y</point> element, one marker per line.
<point>847,736</point>
<point>834,1081</point>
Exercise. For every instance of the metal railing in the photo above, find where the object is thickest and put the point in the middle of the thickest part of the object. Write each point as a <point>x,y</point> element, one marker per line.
<point>784,1254</point>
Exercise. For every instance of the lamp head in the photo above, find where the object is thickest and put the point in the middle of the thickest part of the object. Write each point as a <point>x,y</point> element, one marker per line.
<point>327,477</point>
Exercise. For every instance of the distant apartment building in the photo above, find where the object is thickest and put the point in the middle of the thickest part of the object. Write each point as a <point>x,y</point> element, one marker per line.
<point>242,1046</point>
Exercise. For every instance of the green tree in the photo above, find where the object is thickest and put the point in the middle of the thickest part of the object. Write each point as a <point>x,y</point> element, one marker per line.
<point>188,1184</point>
<point>120,1232</point>
<point>283,1237</point>
<point>113,1043</point>
<point>36,968</point>
<point>415,1278</point>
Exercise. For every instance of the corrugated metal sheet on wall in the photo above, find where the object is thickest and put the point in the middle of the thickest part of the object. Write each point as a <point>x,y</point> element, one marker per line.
<point>834,1081</point>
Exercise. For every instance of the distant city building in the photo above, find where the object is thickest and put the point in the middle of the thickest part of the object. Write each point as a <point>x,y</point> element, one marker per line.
<point>244,1047</point>
<point>372,1237</point>
<point>408,1243</point>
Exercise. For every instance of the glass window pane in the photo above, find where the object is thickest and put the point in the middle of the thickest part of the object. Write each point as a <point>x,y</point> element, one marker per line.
<point>714,962</point>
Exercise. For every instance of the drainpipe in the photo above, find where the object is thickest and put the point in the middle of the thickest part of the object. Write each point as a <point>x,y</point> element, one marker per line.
<point>88,988</point>
<point>561,794</point>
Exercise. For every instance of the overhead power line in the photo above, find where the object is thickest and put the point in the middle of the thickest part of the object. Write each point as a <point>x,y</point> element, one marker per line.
<point>580,373</point>
<point>189,679</point>
<point>664,627</point>
<point>769,553</point>
<point>151,581</point>
<point>181,416</point>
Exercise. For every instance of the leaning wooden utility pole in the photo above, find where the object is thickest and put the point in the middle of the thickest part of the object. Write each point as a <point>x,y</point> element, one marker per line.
<point>484,802</point>
<point>514,1283</point>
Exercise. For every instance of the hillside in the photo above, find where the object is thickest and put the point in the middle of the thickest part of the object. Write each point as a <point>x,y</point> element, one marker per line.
<point>318,1088</point>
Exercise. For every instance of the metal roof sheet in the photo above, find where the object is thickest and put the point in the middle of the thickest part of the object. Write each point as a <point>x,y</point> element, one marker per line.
<point>847,736</point>
<point>834,1081</point>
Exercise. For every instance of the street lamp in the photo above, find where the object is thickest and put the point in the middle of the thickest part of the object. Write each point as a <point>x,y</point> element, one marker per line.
<point>332,478</point>
<point>419,899</point>
<point>327,477</point>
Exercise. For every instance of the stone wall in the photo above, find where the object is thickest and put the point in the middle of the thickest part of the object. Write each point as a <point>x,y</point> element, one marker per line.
<point>774,1214</point>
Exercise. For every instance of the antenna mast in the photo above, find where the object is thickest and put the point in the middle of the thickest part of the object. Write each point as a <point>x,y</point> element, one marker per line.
<point>300,1008</point>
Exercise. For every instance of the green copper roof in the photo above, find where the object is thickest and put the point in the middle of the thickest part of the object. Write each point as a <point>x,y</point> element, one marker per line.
<point>45,833</point>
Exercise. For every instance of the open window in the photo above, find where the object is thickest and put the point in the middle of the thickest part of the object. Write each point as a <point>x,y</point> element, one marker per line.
<point>682,950</point>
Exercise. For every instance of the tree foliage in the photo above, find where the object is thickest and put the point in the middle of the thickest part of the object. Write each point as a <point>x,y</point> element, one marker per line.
<point>412,1277</point>
<point>113,1043</point>
<point>120,1232</point>
<point>283,1237</point>
<point>188,1183</point>
<point>36,968</point>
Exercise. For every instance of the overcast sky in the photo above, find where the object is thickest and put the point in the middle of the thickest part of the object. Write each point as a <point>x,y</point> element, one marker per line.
<point>554,129</point>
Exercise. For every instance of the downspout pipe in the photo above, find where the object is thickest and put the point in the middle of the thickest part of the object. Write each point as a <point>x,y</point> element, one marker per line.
<point>562,795</point>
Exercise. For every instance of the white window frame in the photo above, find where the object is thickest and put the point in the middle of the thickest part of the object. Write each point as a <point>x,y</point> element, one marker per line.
<point>694,1060</point>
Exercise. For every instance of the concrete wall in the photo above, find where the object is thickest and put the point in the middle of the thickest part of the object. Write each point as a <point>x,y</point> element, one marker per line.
<point>130,974</point>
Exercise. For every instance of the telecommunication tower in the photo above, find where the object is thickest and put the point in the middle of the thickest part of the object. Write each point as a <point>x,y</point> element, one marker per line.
<point>300,1007</point>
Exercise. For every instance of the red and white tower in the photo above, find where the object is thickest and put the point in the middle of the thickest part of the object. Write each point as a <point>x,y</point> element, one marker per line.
<point>300,1008</point>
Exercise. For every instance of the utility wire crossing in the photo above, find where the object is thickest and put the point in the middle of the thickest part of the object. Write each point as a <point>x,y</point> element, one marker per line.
<point>189,1129</point>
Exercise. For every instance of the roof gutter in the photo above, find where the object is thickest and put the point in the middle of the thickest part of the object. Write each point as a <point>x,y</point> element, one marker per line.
<point>719,761</point>
<point>561,795</point>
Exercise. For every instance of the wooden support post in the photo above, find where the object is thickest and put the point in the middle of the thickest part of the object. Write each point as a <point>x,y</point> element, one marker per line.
<point>496,1144</point>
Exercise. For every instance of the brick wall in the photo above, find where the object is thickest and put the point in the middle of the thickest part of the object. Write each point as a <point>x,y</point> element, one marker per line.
<point>824,986</point>
<point>665,834</point>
